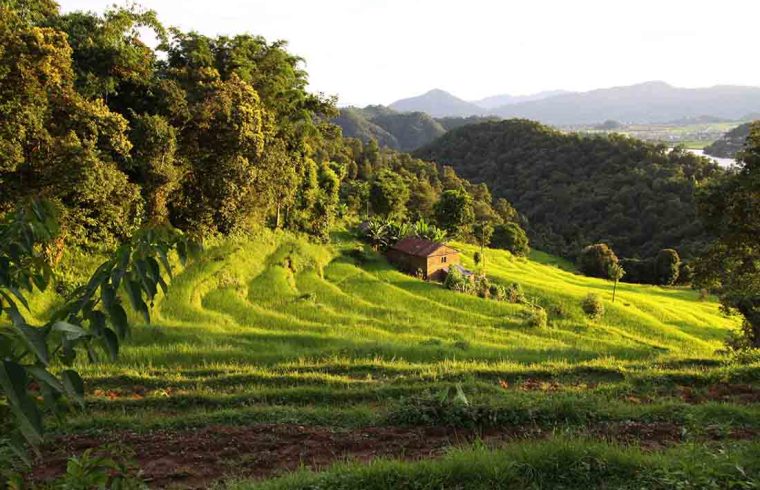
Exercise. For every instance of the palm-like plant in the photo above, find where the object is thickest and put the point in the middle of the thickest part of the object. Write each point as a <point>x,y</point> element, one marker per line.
<point>376,232</point>
<point>423,229</point>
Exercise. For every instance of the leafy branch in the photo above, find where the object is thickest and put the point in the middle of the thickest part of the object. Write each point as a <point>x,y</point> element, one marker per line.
<point>93,315</point>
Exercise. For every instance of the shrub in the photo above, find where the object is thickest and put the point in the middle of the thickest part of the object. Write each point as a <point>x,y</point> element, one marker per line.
<point>595,260</point>
<point>481,286</point>
<point>559,310</point>
<point>514,293</point>
<point>639,271</point>
<point>510,236</point>
<point>666,266</point>
<point>498,292</point>
<point>685,273</point>
<point>536,317</point>
<point>456,281</point>
<point>592,306</point>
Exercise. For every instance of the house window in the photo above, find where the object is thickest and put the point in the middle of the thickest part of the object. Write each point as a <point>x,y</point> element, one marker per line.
<point>443,259</point>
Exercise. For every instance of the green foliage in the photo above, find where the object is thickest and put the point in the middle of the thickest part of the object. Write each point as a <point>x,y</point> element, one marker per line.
<point>54,142</point>
<point>536,317</point>
<point>454,212</point>
<point>427,231</point>
<point>456,281</point>
<point>730,208</point>
<point>109,59</point>
<point>567,463</point>
<point>577,189</point>
<point>667,265</point>
<point>514,293</point>
<point>481,286</point>
<point>731,143</point>
<point>92,470</point>
<point>227,163</point>
<point>509,236</point>
<point>154,163</point>
<point>388,195</point>
<point>596,260</point>
<point>593,306</point>
<point>639,271</point>
<point>497,292</point>
<point>482,232</point>
<point>615,272</point>
<point>92,315</point>
<point>315,338</point>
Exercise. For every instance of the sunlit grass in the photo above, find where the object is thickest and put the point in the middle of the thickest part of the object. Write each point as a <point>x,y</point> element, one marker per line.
<point>279,330</point>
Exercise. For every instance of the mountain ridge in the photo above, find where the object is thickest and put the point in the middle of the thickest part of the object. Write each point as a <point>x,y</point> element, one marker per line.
<point>652,101</point>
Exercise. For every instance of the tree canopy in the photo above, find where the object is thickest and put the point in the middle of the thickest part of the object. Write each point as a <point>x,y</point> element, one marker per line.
<point>577,189</point>
<point>730,208</point>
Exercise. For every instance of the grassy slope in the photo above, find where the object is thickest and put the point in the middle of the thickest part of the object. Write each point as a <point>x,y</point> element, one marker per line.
<point>280,330</point>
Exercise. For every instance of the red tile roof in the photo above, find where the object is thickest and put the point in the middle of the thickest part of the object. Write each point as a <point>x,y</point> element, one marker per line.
<point>419,247</point>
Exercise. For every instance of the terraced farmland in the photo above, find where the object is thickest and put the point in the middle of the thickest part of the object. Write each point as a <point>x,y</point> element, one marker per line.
<point>273,354</point>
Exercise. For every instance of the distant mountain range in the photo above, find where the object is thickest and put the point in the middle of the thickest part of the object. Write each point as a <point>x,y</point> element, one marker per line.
<point>496,101</point>
<point>438,103</point>
<point>649,102</point>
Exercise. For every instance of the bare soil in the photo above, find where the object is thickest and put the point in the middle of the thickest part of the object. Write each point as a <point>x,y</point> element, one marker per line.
<point>198,457</point>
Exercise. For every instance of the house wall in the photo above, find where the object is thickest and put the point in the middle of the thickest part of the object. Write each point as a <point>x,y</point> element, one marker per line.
<point>434,267</point>
<point>438,265</point>
<point>406,263</point>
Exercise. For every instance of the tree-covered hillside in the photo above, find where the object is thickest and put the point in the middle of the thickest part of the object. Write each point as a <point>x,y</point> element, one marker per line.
<point>212,135</point>
<point>576,190</point>
<point>405,131</point>
<point>399,131</point>
<point>730,143</point>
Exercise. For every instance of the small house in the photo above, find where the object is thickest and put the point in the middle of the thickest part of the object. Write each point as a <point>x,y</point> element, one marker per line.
<point>416,254</point>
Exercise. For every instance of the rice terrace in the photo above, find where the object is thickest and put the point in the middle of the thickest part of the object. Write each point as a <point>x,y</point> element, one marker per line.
<point>214,276</point>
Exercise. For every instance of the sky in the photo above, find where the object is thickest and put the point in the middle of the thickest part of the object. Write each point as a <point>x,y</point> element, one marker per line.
<point>378,51</point>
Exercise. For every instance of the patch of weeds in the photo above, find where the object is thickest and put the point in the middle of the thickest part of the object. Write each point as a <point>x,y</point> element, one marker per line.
<point>535,317</point>
<point>559,310</point>
<point>227,280</point>
<point>461,344</point>
<point>432,341</point>
<point>514,293</point>
<point>592,306</point>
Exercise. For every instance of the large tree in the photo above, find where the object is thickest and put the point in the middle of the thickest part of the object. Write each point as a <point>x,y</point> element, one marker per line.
<point>57,144</point>
<point>388,194</point>
<point>454,212</point>
<point>730,208</point>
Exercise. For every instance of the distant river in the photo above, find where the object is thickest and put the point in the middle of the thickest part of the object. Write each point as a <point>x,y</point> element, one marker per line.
<point>723,162</point>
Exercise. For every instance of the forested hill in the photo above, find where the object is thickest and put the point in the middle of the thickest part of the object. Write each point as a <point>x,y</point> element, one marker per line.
<point>576,189</point>
<point>403,131</point>
<point>212,135</point>
<point>730,143</point>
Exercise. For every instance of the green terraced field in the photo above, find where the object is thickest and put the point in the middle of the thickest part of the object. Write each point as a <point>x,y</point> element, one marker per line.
<point>269,352</point>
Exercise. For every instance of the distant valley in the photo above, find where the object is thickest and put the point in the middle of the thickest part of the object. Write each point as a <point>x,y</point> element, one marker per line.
<point>648,102</point>
<point>652,111</point>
